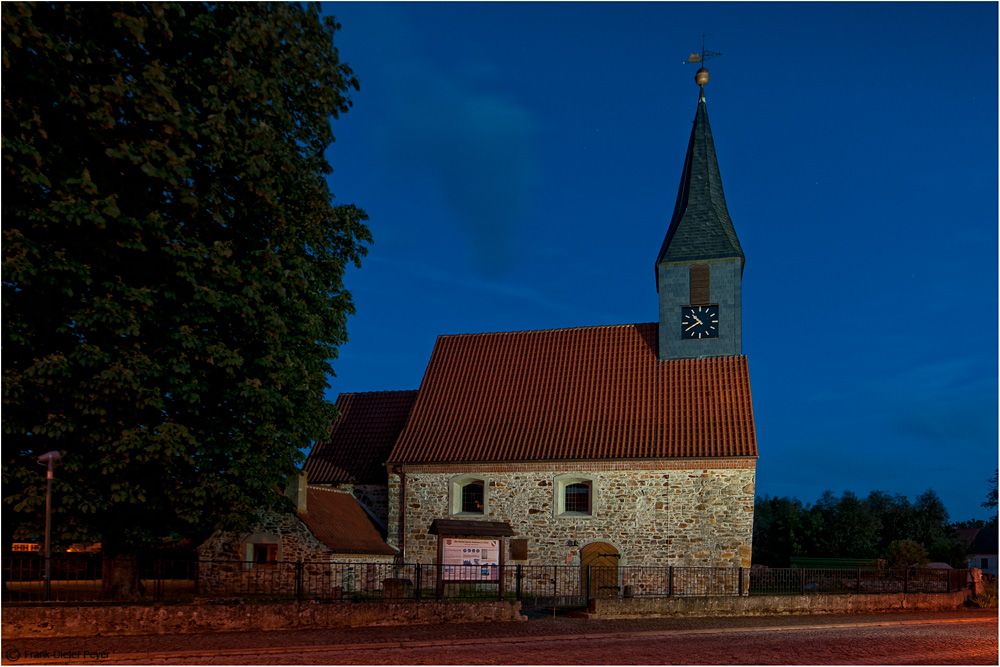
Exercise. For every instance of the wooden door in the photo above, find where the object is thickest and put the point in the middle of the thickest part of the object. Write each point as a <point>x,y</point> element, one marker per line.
<point>602,559</point>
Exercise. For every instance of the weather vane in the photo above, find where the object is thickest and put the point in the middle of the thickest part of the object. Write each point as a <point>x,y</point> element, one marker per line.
<point>701,76</point>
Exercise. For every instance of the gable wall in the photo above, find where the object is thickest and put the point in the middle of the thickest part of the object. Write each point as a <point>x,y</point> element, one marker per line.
<point>296,542</point>
<point>694,513</point>
<point>374,497</point>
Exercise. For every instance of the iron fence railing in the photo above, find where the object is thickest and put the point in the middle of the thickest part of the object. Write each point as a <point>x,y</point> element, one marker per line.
<point>162,580</point>
<point>790,581</point>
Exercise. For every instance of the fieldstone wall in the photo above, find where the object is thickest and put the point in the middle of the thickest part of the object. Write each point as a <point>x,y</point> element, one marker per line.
<point>294,540</point>
<point>691,513</point>
<point>34,622</point>
<point>223,568</point>
<point>375,497</point>
<point>773,605</point>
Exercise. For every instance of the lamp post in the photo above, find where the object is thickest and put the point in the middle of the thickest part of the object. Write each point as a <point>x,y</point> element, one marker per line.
<point>48,458</point>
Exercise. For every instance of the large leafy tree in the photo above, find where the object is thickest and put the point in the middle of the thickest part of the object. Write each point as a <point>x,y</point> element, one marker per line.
<point>172,259</point>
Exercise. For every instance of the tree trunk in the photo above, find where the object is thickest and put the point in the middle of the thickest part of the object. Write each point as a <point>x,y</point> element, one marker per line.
<point>120,578</point>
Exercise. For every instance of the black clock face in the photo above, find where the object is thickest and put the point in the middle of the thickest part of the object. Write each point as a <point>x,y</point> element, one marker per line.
<point>698,322</point>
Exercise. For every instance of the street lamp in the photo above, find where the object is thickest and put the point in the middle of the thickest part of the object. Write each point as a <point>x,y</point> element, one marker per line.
<point>48,458</point>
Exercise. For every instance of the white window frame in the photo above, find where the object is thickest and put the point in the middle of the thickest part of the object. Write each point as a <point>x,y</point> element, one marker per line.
<point>260,539</point>
<point>455,486</point>
<point>559,485</point>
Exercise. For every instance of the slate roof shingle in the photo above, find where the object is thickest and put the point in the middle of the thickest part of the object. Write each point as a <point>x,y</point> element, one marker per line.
<point>592,393</point>
<point>700,227</point>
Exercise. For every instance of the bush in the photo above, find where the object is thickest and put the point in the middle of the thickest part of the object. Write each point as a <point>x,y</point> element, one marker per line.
<point>988,598</point>
<point>905,553</point>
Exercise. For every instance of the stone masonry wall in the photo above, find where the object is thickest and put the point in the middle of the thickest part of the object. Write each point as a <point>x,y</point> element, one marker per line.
<point>693,513</point>
<point>373,496</point>
<point>223,569</point>
<point>295,541</point>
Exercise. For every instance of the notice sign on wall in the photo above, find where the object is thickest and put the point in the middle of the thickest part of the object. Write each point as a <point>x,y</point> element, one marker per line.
<point>470,560</point>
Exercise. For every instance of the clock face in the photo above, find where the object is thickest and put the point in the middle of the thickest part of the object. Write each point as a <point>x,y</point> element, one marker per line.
<point>698,322</point>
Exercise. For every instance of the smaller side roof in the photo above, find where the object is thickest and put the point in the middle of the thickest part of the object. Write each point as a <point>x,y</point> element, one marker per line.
<point>360,438</point>
<point>337,520</point>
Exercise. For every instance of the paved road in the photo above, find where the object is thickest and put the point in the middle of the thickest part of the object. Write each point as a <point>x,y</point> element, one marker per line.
<point>961,637</point>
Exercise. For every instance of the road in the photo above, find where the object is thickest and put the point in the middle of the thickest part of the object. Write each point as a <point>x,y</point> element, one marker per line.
<point>941,638</point>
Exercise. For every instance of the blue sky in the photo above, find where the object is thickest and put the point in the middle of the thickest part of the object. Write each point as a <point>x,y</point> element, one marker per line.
<point>520,163</point>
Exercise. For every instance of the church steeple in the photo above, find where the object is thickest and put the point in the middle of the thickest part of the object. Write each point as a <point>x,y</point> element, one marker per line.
<point>701,227</point>
<point>700,265</point>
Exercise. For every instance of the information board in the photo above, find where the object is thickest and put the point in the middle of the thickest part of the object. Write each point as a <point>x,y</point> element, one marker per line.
<point>470,560</point>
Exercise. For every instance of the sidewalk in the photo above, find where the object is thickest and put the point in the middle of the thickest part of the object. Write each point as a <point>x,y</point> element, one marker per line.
<point>560,627</point>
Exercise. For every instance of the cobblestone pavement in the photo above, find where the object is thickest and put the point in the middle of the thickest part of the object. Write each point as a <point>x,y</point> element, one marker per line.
<point>957,637</point>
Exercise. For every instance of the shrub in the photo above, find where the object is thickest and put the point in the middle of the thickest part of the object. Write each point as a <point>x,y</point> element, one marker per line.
<point>988,598</point>
<point>905,553</point>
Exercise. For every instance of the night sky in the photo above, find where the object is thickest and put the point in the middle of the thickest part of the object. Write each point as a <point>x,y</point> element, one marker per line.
<point>520,164</point>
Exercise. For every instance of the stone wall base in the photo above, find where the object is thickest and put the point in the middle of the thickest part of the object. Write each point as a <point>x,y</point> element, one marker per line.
<point>36,622</point>
<point>772,605</point>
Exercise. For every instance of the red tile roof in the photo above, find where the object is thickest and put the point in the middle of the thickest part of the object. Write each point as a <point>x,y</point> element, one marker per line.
<point>337,520</point>
<point>575,394</point>
<point>361,438</point>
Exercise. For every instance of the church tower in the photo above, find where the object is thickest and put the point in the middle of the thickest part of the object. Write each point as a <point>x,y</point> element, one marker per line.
<point>700,266</point>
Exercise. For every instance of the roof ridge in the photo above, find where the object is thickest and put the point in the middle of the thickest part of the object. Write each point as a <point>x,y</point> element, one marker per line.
<point>528,331</point>
<point>328,488</point>
<point>380,391</point>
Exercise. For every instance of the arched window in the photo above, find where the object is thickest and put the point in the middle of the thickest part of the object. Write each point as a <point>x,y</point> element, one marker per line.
<point>578,497</point>
<point>700,278</point>
<point>574,496</point>
<point>467,496</point>
<point>473,496</point>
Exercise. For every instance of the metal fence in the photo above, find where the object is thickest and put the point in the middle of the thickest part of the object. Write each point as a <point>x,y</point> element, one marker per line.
<point>803,581</point>
<point>77,580</point>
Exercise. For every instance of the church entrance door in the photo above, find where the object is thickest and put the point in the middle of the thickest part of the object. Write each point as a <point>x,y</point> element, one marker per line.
<point>599,561</point>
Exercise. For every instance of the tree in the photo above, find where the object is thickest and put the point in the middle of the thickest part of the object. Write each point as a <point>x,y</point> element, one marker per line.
<point>173,259</point>
<point>901,554</point>
<point>930,519</point>
<point>895,514</point>
<point>780,531</point>
<point>991,495</point>
<point>846,527</point>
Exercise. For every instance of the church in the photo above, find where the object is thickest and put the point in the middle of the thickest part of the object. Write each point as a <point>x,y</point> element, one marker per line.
<point>628,444</point>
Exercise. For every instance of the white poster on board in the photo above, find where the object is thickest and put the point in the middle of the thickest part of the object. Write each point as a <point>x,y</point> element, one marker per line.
<point>470,560</point>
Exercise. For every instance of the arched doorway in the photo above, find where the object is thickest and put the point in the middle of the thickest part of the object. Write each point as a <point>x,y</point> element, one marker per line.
<point>600,560</point>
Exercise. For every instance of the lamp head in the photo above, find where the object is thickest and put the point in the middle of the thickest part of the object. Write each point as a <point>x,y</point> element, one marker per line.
<point>49,456</point>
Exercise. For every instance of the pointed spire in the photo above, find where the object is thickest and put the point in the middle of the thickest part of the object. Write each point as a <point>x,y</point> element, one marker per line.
<point>700,227</point>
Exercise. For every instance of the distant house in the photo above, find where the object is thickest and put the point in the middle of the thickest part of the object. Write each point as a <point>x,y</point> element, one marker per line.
<point>983,551</point>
